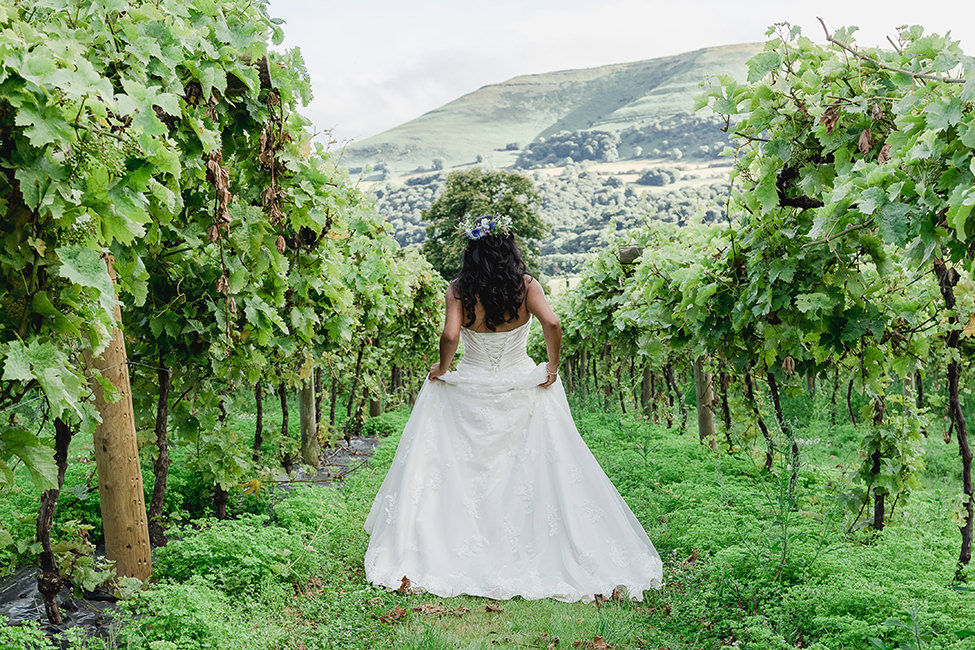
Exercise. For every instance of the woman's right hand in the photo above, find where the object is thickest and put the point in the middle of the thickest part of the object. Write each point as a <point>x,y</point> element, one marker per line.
<point>435,371</point>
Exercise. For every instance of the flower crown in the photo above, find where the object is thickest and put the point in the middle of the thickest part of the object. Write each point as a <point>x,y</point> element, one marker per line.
<point>484,225</point>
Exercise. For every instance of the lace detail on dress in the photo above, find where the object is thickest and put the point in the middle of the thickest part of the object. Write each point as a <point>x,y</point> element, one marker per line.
<point>490,351</point>
<point>554,520</point>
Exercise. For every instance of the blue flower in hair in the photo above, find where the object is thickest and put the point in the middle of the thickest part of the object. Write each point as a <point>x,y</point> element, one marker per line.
<point>484,225</point>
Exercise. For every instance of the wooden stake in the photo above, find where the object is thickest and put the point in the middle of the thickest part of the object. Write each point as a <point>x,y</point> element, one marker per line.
<point>310,449</point>
<point>705,396</point>
<point>117,461</point>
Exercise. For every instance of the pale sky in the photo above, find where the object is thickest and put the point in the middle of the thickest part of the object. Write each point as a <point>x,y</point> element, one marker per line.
<point>375,64</point>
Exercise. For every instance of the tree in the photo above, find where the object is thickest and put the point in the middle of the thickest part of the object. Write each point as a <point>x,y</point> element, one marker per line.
<point>474,192</point>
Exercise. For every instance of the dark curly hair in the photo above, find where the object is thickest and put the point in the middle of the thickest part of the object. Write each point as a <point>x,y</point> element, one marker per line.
<point>493,272</point>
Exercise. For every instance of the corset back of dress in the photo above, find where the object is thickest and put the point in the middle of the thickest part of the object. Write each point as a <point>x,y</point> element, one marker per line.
<point>495,351</point>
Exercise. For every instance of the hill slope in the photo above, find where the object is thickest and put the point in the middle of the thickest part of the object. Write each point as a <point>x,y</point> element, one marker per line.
<point>497,121</point>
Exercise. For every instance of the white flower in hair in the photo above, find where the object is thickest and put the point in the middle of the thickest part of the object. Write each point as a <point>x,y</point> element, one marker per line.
<point>484,225</point>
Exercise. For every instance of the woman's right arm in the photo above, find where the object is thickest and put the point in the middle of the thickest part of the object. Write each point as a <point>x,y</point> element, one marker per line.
<point>451,334</point>
<point>551,328</point>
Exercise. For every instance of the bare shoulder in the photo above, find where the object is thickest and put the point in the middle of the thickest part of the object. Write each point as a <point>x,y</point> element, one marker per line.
<point>453,291</point>
<point>533,288</point>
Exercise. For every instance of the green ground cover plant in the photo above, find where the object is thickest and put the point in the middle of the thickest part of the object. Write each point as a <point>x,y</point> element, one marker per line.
<point>745,564</point>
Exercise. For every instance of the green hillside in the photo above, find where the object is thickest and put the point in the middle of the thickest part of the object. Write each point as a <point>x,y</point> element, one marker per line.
<point>498,121</point>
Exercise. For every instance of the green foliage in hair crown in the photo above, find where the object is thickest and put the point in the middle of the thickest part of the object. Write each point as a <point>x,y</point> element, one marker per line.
<point>486,224</point>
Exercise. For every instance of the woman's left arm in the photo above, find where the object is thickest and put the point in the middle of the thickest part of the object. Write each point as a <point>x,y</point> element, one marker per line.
<point>451,334</point>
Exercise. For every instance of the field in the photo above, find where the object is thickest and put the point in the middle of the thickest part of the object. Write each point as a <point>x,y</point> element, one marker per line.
<point>744,566</point>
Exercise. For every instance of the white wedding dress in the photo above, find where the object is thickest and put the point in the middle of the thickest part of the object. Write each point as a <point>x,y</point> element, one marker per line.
<point>492,491</point>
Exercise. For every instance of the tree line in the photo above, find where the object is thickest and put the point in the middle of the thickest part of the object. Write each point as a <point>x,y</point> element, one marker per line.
<point>582,208</point>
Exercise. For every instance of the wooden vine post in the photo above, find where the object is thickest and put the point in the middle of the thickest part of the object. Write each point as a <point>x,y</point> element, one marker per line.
<point>310,449</point>
<point>117,461</point>
<point>705,398</point>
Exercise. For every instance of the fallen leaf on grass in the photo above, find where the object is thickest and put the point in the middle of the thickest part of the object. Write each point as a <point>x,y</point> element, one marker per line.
<point>493,608</point>
<point>597,643</point>
<point>427,608</point>
<point>692,558</point>
<point>405,587</point>
<point>393,615</point>
<point>600,599</point>
<point>619,594</point>
<point>460,611</point>
<point>377,602</point>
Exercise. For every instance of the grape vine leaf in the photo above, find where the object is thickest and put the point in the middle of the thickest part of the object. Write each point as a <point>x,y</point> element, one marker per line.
<point>85,267</point>
<point>37,457</point>
<point>893,222</point>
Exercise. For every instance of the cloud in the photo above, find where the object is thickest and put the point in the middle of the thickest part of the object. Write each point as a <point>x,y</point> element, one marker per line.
<point>376,65</point>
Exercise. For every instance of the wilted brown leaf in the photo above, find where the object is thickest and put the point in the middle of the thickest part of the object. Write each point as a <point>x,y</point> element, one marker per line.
<point>865,144</point>
<point>460,611</point>
<point>377,602</point>
<point>830,116</point>
<point>222,284</point>
<point>619,594</point>
<point>692,558</point>
<point>789,366</point>
<point>281,244</point>
<point>405,587</point>
<point>596,643</point>
<point>223,214</point>
<point>600,599</point>
<point>884,154</point>
<point>213,166</point>
<point>393,615</point>
<point>490,607</point>
<point>213,233</point>
<point>429,609</point>
<point>876,112</point>
<point>969,328</point>
<point>232,306</point>
<point>274,214</point>
<point>211,111</point>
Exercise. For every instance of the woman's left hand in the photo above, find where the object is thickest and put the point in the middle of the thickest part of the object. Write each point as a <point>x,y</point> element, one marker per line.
<point>551,379</point>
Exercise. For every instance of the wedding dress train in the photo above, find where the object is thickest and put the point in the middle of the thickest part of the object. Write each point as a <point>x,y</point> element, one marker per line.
<point>492,491</point>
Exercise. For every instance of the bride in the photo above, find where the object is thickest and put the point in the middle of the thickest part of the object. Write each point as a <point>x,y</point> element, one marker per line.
<point>492,492</point>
